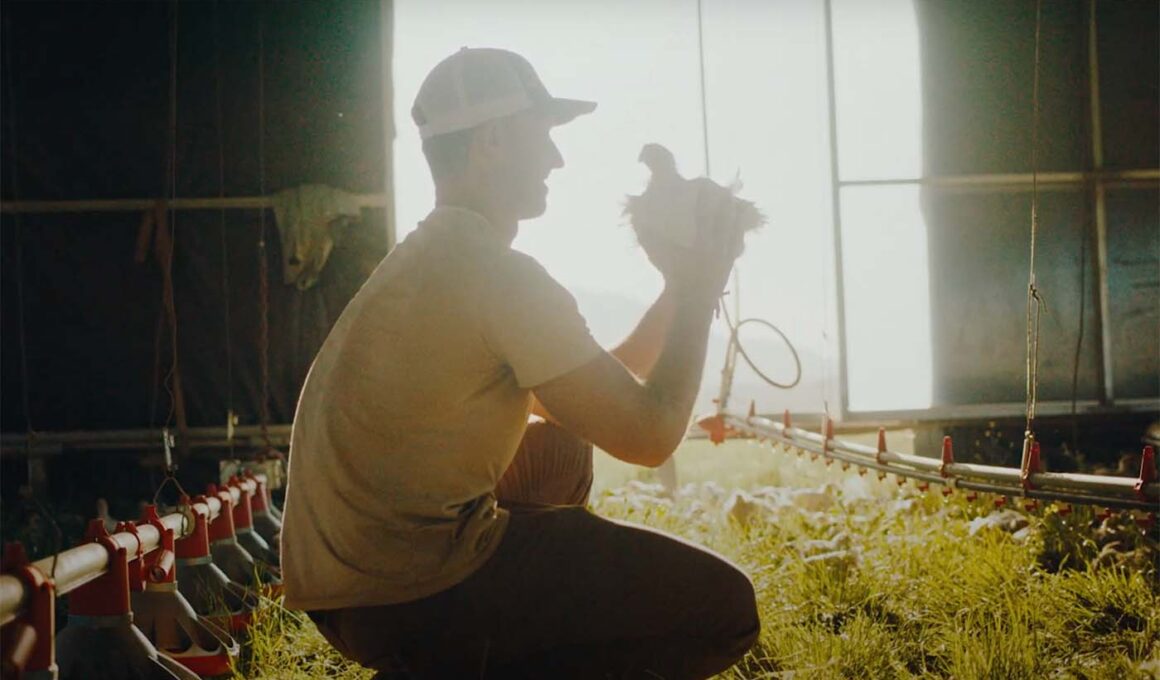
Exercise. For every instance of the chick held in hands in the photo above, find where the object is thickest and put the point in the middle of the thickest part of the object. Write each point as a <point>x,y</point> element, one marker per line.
<point>675,216</point>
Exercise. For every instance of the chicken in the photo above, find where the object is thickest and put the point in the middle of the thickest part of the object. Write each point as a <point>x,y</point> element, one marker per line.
<point>673,208</point>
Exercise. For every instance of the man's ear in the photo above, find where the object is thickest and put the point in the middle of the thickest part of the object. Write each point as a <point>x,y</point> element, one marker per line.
<point>486,142</point>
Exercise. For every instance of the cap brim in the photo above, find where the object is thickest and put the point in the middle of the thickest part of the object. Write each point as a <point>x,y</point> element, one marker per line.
<point>566,110</point>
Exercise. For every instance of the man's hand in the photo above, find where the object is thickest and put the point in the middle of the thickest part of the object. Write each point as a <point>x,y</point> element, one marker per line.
<point>701,270</point>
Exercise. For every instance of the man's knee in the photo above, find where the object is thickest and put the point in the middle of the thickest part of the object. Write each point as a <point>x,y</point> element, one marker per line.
<point>740,623</point>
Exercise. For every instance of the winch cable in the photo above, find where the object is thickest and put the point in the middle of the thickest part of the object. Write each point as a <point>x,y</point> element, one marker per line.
<point>263,258</point>
<point>227,321</point>
<point>1035,302</point>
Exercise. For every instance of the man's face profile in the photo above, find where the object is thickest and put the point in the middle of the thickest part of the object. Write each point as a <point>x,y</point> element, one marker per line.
<point>518,155</point>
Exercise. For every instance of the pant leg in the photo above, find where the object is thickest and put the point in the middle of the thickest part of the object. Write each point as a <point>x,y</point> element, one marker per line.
<point>569,595</point>
<point>552,467</point>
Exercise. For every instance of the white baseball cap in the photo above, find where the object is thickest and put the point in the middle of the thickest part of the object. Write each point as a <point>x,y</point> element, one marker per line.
<point>476,85</point>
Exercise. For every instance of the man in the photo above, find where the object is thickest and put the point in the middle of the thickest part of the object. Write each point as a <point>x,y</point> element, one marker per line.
<point>414,420</point>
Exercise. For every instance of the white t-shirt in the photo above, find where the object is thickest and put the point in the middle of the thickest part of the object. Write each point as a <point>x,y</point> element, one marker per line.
<point>412,411</point>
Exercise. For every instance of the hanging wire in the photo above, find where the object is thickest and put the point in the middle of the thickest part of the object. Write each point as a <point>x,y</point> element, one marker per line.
<point>704,96</point>
<point>22,326</point>
<point>1034,298</point>
<point>263,263</point>
<point>168,296</point>
<point>222,228</point>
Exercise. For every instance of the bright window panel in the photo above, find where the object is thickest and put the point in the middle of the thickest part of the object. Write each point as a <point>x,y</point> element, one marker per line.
<point>879,90</point>
<point>767,120</point>
<point>887,296</point>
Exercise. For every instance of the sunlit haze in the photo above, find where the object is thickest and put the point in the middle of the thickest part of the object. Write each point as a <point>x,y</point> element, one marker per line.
<point>767,120</point>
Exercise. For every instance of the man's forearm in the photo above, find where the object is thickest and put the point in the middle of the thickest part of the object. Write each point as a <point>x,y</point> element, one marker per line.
<point>640,351</point>
<point>676,378</point>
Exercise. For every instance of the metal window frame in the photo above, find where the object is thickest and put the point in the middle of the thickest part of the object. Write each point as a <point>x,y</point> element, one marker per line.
<point>1097,180</point>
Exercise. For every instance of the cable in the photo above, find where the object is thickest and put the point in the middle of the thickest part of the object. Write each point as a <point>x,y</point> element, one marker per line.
<point>222,228</point>
<point>263,263</point>
<point>1034,299</point>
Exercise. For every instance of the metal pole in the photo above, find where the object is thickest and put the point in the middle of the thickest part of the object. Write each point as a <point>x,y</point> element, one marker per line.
<point>1017,181</point>
<point>386,47</point>
<point>139,204</point>
<point>1103,317</point>
<point>143,438</point>
<point>836,206</point>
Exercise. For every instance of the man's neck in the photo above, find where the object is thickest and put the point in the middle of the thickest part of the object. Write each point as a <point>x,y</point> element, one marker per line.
<point>504,226</point>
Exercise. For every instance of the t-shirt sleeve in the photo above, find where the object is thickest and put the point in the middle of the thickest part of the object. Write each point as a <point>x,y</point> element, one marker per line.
<point>532,323</point>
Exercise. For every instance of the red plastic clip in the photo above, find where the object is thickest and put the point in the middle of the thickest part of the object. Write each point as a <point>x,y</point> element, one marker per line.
<point>922,486</point>
<point>29,642</point>
<point>715,426</point>
<point>1147,471</point>
<point>1000,501</point>
<point>972,496</point>
<point>243,511</point>
<point>136,567</point>
<point>159,563</point>
<point>948,457</point>
<point>195,544</point>
<point>1031,466</point>
<point>1105,515</point>
<point>108,594</point>
<point>1063,510</point>
<point>1031,505</point>
<point>222,527</point>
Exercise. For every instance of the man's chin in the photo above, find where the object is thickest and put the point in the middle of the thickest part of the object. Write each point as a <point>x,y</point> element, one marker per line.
<point>534,208</point>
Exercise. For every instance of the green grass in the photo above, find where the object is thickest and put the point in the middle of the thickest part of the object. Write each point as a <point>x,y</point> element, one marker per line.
<point>861,578</point>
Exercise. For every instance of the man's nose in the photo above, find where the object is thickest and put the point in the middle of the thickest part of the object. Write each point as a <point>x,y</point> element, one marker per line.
<point>555,159</point>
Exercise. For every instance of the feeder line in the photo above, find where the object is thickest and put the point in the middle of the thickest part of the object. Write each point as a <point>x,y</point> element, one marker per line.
<point>77,566</point>
<point>1100,490</point>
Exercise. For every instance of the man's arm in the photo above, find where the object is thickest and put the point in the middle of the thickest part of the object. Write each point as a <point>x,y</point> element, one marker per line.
<point>643,422</point>
<point>640,351</point>
<point>639,423</point>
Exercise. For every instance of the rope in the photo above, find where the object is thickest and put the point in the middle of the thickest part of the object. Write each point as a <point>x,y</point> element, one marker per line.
<point>222,228</point>
<point>263,263</point>
<point>1034,299</point>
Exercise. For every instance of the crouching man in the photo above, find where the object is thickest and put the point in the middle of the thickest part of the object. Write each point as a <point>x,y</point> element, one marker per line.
<point>429,530</point>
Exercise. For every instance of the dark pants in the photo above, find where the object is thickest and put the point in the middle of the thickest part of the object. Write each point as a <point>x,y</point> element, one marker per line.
<point>567,594</point>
